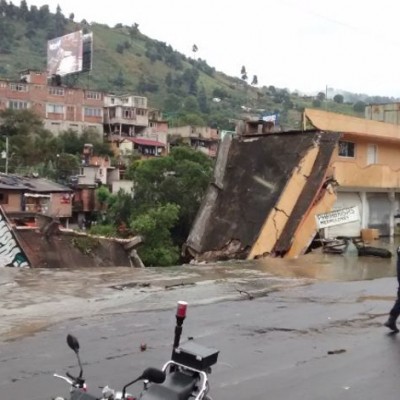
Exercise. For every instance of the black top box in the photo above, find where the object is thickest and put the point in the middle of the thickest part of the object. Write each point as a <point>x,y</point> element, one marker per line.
<point>195,356</point>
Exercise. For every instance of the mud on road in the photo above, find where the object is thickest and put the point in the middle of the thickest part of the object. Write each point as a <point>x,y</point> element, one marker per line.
<point>34,299</point>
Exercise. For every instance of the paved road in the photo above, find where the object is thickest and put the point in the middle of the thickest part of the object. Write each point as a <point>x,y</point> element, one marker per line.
<point>272,347</point>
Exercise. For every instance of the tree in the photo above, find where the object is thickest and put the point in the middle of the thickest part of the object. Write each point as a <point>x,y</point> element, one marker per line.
<point>194,49</point>
<point>119,80</point>
<point>23,9</point>
<point>243,73</point>
<point>321,96</point>
<point>190,77</point>
<point>192,119</point>
<point>120,48</point>
<point>316,103</point>
<point>338,98</point>
<point>72,143</point>
<point>168,79</point>
<point>191,104</point>
<point>155,226</point>
<point>7,36</point>
<point>359,106</point>
<point>19,122</point>
<point>66,165</point>
<point>254,82</point>
<point>102,196</point>
<point>172,103</point>
<point>119,209</point>
<point>220,93</point>
<point>202,100</point>
<point>180,178</point>
<point>133,30</point>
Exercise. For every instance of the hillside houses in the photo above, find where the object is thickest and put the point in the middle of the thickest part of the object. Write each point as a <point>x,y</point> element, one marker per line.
<point>125,121</point>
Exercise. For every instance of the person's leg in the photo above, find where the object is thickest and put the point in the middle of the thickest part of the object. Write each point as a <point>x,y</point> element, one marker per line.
<point>395,311</point>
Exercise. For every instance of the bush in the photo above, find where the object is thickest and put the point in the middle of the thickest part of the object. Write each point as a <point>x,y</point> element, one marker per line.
<point>155,226</point>
<point>103,230</point>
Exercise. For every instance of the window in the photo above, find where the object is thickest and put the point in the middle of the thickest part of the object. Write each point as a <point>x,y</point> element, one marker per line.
<point>18,87</point>
<point>55,108</point>
<point>93,95</point>
<point>93,112</point>
<point>128,113</point>
<point>18,105</point>
<point>346,149</point>
<point>56,91</point>
<point>3,198</point>
<point>140,101</point>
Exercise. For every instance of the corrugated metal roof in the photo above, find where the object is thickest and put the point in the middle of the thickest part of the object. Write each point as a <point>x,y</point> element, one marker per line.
<point>36,185</point>
<point>146,142</point>
<point>138,140</point>
<point>333,122</point>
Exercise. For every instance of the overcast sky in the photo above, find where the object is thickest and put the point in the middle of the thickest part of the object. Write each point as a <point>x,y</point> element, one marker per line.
<point>305,45</point>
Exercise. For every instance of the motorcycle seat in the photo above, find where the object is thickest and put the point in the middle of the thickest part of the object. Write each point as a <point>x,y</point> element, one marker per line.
<point>177,386</point>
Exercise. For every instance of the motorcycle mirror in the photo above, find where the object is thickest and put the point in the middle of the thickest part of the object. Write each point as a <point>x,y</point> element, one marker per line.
<point>154,375</point>
<point>73,343</point>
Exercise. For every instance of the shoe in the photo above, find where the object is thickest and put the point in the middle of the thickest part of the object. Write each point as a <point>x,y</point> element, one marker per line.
<point>391,324</point>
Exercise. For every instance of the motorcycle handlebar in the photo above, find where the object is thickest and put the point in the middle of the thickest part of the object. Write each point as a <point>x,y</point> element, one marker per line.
<point>71,377</point>
<point>64,378</point>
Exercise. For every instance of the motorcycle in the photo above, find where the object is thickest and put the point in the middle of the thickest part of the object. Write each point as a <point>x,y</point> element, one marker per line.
<point>183,377</point>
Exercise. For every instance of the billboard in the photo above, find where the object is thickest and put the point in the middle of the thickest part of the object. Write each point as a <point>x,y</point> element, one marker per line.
<point>69,54</point>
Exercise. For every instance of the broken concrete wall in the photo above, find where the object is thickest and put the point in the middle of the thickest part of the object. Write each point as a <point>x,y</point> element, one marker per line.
<point>250,175</point>
<point>312,191</point>
<point>12,253</point>
<point>280,213</point>
<point>69,250</point>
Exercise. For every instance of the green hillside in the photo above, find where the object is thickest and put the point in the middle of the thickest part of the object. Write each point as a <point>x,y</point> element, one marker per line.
<point>126,61</point>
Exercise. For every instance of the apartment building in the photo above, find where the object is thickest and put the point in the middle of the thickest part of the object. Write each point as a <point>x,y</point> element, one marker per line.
<point>201,138</point>
<point>125,115</point>
<point>366,166</point>
<point>59,106</point>
<point>62,108</point>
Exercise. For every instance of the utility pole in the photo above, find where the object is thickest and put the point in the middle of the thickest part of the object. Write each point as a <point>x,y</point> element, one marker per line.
<point>326,98</point>
<point>4,155</point>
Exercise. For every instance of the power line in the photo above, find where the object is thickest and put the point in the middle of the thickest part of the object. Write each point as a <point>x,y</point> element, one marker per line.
<point>362,31</point>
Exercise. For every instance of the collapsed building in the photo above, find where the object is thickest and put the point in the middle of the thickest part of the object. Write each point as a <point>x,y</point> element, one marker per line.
<point>269,187</point>
<point>266,190</point>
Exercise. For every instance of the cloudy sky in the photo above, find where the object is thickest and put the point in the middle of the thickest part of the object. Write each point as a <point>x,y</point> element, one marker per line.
<point>306,45</point>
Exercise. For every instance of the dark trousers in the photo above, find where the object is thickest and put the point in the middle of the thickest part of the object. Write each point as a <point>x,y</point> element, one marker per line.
<point>395,311</point>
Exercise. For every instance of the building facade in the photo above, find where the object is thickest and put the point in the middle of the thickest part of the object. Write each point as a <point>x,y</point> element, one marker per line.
<point>60,107</point>
<point>201,138</point>
<point>125,115</point>
<point>389,113</point>
<point>366,166</point>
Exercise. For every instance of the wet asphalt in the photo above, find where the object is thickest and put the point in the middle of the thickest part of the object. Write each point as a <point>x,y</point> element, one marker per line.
<point>311,330</point>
